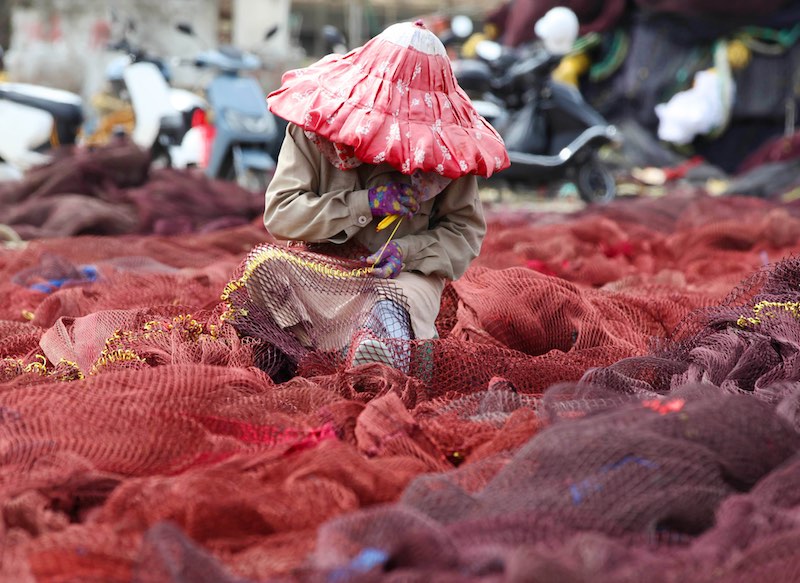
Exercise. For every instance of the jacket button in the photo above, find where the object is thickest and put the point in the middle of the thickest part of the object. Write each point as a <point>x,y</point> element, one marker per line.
<point>362,220</point>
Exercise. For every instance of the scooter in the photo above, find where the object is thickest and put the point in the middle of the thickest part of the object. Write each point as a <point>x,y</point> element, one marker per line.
<point>140,101</point>
<point>35,119</point>
<point>551,133</point>
<point>243,142</point>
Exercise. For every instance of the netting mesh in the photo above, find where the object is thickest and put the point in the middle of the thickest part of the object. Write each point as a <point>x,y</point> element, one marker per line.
<point>635,418</point>
<point>112,190</point>
<point>300,303</point>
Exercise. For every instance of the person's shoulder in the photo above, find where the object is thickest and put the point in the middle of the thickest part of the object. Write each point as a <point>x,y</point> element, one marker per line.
<point>298,136</point>
<point>295,131</point>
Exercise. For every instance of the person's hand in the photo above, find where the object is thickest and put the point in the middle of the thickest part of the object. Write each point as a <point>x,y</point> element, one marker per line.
<point>387,265</point>
<point>394,198</point>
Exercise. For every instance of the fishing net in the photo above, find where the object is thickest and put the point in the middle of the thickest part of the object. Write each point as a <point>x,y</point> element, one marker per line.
<point>652,466</point>
<point>613,396</point>
<point>112,190</point>
<point>300,303</point>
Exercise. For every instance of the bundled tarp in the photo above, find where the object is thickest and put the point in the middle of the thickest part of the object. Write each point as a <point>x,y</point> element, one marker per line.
<point>663,53</point>
<point>515,20</point>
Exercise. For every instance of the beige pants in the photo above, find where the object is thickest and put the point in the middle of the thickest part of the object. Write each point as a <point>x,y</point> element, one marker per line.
<point>424,294</point>
<point>333,316</point>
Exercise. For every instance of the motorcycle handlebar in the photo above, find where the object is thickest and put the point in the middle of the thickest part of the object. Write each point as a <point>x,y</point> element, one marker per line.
<point>187,61</point>
<point>137,54</point>
<point>531,70</point>
<point>120,45</point>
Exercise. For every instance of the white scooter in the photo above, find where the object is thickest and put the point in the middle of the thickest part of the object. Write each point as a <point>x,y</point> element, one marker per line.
<point>162,113</point>
<point>35,119</point>
<point>158,124</point>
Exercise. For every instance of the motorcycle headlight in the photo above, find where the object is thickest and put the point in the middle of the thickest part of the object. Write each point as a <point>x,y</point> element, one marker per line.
<point>242,122</point>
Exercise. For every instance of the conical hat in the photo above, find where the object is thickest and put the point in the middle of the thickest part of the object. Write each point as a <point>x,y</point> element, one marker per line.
<point>393,100</point>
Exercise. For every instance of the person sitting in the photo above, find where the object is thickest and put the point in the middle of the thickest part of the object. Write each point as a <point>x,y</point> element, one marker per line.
<point>382,135</point>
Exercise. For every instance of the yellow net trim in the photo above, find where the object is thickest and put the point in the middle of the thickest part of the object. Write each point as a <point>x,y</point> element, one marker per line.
<point>189,328</point>
<point>115,356</point>
<point>260,256</point>
<point>115,351</point>
<point>768,310</point>
<point>65,370</point>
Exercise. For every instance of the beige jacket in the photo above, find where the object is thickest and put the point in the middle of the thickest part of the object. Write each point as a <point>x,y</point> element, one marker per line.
<point>311,200</point>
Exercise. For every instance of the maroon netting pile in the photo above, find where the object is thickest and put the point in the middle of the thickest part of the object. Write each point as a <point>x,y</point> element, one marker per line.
<point>614,396</point>
<point>112,190</point>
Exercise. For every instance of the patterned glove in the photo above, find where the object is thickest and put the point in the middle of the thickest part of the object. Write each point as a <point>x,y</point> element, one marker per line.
<point>389,264</point>
<point>394,198</point>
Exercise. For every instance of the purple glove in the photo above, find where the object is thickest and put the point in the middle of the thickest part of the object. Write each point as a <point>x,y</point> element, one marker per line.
<point>394,198</point>
<point>389,264</point>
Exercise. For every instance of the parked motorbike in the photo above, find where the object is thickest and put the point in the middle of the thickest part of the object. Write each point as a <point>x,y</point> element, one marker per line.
<point>552,134</point>
<point>140,101</point>
<point>34,119</point>
<point>244,138</point>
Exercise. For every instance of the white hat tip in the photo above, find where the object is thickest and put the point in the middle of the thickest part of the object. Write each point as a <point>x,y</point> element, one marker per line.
<point>414,35</point>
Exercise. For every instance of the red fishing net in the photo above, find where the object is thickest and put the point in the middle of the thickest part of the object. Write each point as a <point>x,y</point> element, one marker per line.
<point>113,191</point>
<point>613,397</point>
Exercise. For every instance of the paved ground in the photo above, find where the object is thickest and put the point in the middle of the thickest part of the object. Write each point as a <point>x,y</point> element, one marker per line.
<point>565,201</point>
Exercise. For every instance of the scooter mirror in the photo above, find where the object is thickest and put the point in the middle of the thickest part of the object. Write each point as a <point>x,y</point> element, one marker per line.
<point>461,25</point>
<point>334,39</point>
<point>331,34</point>
<point>489,50</point>
<point>271,32</point>
<point>185,28</point>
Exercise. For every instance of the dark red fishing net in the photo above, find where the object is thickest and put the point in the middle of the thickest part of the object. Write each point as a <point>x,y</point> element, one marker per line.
<point>613,397</point>
<point>112,190</point>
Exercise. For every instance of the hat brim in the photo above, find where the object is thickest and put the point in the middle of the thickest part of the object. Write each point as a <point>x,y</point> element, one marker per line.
<point>392,104</point>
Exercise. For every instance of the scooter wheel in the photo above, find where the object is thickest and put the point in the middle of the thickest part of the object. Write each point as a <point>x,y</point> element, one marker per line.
<point>595,182</point>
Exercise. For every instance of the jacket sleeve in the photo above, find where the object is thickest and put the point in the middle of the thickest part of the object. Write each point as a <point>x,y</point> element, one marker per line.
<point>456,231</point>
<point>295,209</point>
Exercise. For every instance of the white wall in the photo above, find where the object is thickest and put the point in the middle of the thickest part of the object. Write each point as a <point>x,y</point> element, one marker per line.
<point>252,19</point>
<point>61,43</point>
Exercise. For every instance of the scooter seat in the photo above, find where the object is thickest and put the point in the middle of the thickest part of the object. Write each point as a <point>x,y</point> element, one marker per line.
<point>172,122</point>
<point>172,128</point>
<point>473,75</point>
<point>65,107</point>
